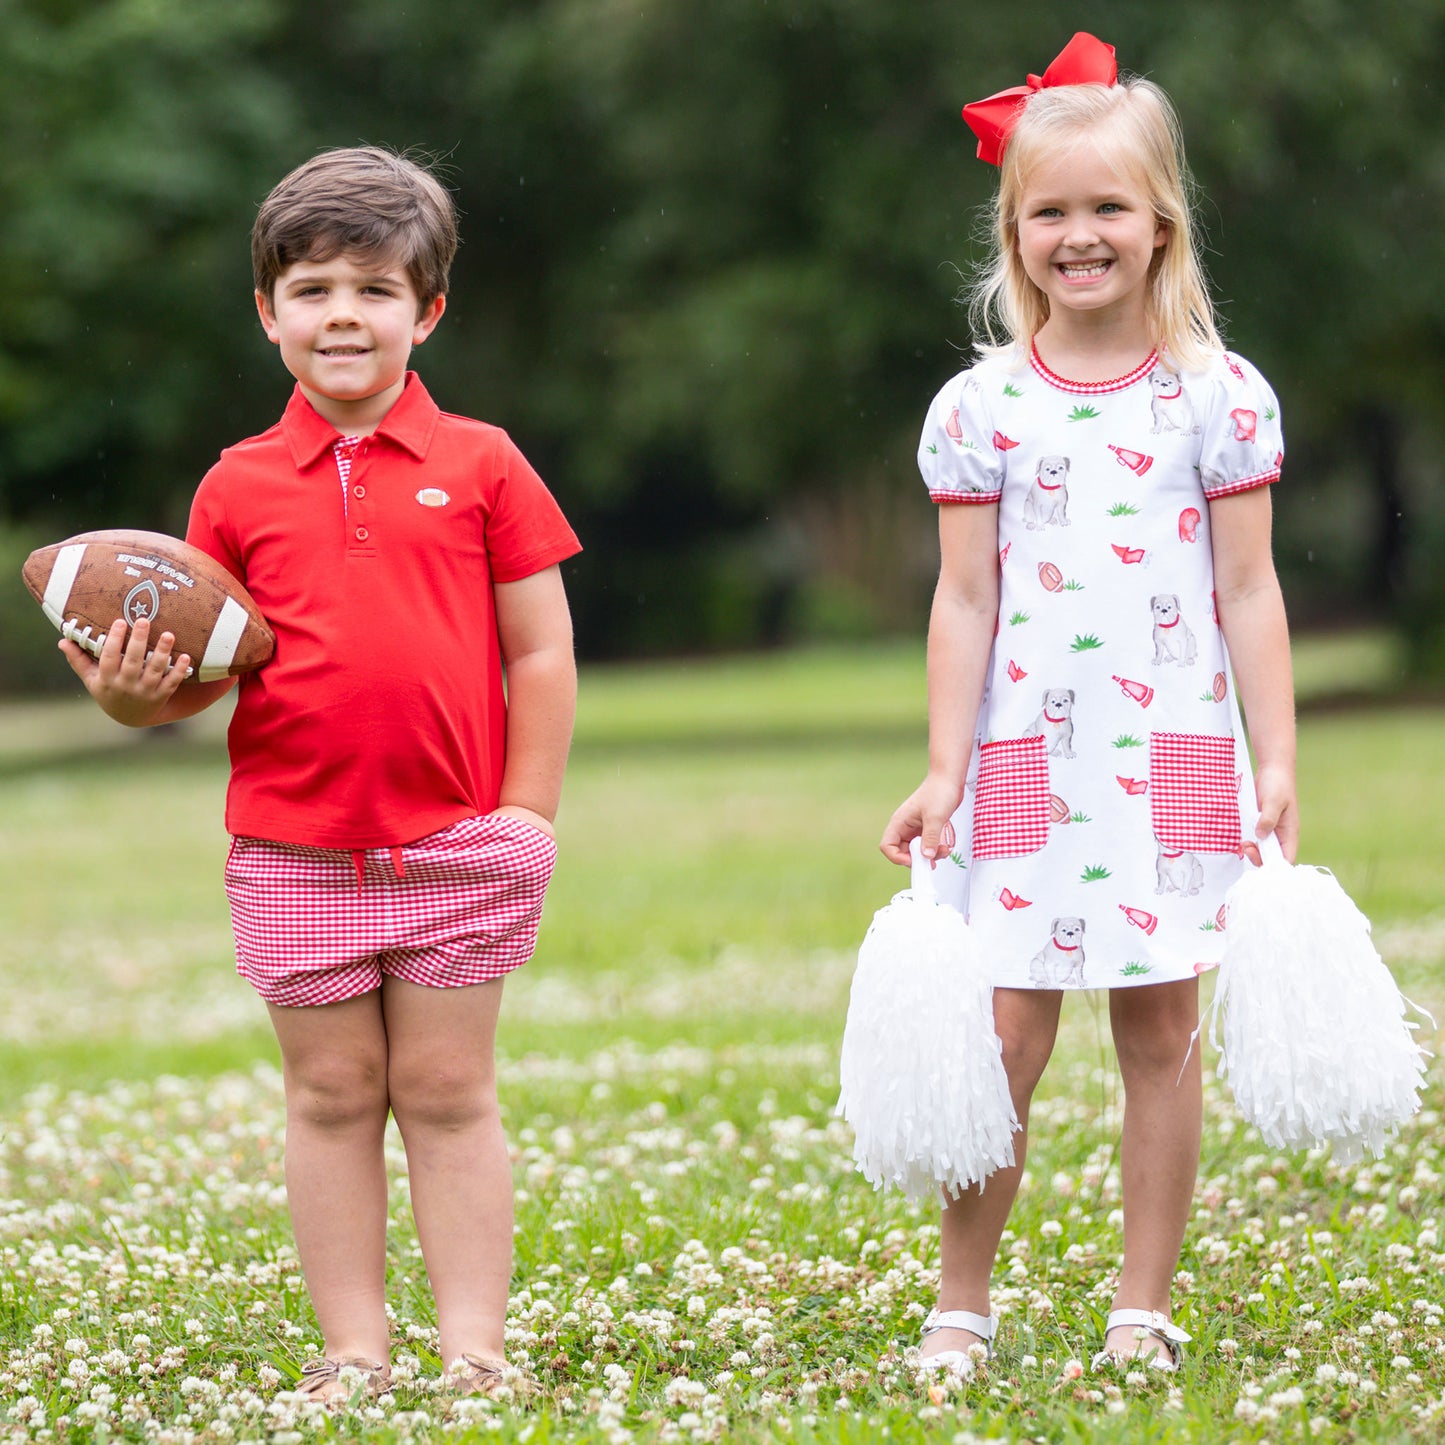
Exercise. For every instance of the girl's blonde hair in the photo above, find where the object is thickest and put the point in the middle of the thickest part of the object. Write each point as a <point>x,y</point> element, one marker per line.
<point>1135,130</point>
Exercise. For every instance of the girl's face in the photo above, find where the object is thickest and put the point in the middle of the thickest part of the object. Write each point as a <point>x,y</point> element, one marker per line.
<point>1087,236</point>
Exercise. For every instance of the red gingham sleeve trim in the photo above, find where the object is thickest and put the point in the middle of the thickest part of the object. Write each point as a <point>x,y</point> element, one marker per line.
<point>974,497</point>
<point>1244,484</point>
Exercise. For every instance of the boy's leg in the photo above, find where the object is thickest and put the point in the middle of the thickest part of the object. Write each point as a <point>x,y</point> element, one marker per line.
<point>1163,1122</point>
<point>334,1057</point>
<point>1026,1022</point>
<point>443,1089</point>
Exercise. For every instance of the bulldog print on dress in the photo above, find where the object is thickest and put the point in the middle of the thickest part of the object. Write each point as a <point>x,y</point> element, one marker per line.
<point>1109,780</point>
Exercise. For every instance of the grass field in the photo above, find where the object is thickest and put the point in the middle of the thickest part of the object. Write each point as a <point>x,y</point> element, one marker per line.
<point>696,1259</point>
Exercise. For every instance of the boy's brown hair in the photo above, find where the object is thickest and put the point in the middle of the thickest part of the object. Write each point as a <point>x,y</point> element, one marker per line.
<point>360,200</point>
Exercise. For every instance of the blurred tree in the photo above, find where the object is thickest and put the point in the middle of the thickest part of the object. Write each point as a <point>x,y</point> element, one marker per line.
<point>136,135</point>
<point>711,250</point>
<point>1327,197</point>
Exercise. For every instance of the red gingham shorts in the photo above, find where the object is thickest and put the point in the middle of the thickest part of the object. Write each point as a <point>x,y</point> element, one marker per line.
<point>319,925</point>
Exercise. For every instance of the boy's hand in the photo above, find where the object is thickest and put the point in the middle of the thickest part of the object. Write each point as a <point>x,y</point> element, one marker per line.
<point>129,686</point>
<point>924,815</point>
<point>526,815</point>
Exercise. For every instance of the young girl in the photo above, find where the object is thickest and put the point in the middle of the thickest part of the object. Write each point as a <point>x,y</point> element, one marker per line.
<point>1106,602</point>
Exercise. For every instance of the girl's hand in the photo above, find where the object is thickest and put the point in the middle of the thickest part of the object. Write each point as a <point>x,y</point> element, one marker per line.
<point>1274,790</point>
<point>129,685</point>
<point>924,814</point>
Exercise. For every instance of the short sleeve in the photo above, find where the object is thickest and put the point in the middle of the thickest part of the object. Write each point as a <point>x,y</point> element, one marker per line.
<point>207,528</point>
<point>526,531</point>
<point>956,453</point>
<point>1241,442</point>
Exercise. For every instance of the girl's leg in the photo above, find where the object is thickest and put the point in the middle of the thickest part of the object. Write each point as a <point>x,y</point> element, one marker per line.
<point>443,1090</point>
<point>1026,1022</point>
<point>1163,1122</point>
<point>334,1059</point>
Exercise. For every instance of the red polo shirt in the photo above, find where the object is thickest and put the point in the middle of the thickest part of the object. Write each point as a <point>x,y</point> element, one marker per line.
<point>382,716</point>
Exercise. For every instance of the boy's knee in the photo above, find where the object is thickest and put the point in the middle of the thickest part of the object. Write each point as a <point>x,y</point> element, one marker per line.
<point>336,1090</point>
<point>439,1095</point>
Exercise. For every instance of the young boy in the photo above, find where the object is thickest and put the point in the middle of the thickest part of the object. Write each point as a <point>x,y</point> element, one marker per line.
<point>390,809</point>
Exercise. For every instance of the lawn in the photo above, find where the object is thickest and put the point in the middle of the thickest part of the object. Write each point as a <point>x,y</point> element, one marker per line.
<point>695,1257</point>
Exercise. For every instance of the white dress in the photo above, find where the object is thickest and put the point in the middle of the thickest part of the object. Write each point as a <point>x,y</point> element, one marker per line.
<point>1101,821</point>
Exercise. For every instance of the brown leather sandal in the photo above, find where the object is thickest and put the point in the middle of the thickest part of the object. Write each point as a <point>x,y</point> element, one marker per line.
<point>472,1375</point>
<point>321,1380</point>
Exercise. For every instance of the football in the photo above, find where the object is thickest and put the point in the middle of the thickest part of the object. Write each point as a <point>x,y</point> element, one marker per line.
<point>84,583</point>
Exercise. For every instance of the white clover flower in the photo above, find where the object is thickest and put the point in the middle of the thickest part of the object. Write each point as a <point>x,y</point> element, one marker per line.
<point>681,1390</point>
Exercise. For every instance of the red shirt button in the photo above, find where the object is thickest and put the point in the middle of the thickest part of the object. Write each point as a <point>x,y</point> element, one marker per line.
<point>362,534</point>
<point>358,491</point>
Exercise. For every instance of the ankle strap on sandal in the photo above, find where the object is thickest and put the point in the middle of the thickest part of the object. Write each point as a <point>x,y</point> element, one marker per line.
<point>1153,1321</point>
<point>983,1326</point>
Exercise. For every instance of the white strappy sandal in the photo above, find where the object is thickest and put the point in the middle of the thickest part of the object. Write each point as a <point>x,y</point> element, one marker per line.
<point>1145,1322</point>
<point>958,1362</point>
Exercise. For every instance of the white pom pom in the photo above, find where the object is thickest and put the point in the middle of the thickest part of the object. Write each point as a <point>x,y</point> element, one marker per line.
<point>1316,1047</point>
<point>923,1082</point>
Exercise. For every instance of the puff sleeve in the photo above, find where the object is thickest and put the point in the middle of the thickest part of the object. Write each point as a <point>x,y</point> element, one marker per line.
<point>956,453</point>
<point>1241,441</point>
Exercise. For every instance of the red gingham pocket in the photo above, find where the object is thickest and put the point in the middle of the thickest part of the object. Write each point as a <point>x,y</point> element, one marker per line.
<point>1194,792</point>
<point>1011,799</point>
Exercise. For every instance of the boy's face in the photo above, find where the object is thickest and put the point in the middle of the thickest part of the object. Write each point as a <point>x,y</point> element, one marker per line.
<point>346,327</point>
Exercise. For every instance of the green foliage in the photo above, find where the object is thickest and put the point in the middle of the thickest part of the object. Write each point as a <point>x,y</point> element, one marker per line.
<point>137,139</point>
<point>709,297</point>
<point>29,661</point>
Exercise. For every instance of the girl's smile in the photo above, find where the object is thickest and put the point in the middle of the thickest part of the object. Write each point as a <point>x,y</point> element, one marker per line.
<point>1087,237</point>
<point>1084,270</point>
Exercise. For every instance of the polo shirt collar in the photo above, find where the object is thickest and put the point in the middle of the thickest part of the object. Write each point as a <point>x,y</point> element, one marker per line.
<point>411,424</point>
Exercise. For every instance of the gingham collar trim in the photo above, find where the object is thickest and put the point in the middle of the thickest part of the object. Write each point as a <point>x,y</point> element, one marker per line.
<point>1091,388</point>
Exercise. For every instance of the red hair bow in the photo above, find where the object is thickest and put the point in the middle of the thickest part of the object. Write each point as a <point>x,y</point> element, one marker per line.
<point>1084,60</point>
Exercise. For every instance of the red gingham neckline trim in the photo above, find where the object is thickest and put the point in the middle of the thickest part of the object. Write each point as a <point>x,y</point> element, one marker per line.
<point>1091,388</point>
